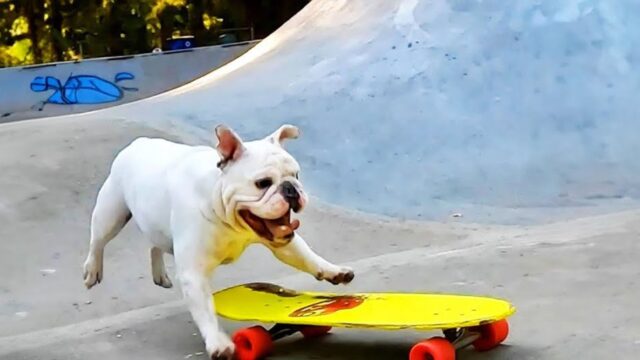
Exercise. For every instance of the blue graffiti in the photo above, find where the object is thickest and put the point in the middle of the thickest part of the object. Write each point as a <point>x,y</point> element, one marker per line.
<point>83,89</point>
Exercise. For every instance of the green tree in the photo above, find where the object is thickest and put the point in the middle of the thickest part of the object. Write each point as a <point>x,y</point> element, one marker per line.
<point>56,40</point>
<point>34,31</point>
<point>33,11</point>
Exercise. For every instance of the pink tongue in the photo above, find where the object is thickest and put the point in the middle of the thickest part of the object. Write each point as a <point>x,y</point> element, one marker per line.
<point>295,224</point>
<point>281,227</point>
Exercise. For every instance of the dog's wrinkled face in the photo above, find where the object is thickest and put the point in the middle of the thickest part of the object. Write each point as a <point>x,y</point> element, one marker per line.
<point>260,184</point>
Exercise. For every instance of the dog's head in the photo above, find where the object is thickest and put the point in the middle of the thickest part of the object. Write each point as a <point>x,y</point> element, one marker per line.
<point>260,184</point>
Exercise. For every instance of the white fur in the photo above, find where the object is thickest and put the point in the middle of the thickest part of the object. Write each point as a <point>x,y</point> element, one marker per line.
<point>186,206</point>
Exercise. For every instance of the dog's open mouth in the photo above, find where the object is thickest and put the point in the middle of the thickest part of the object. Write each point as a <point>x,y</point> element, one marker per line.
<point>271,229</point>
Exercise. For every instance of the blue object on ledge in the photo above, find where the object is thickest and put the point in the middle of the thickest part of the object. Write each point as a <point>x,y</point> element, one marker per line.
<point>180,42</point>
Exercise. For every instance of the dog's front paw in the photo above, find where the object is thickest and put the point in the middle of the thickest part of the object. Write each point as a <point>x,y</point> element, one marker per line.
<point>221,348</point>
<point>163,280</point>
<point>339,275</point>
<point>92,271</point>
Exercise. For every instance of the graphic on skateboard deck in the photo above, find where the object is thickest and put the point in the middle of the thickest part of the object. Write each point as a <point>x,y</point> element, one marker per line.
<point>465,320</point>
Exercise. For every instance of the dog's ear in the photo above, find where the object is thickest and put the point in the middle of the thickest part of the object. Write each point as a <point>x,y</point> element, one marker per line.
<point>229,145</point>
<point>284,132</point>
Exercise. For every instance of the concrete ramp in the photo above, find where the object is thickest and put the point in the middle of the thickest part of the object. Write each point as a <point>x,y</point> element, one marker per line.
<point>507,112</point>
<point>73,87</point>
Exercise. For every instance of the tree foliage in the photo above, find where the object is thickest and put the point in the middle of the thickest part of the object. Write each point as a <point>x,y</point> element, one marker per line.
<point>36,31</point>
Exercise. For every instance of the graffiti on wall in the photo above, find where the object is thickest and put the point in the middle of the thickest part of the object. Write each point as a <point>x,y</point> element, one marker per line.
<point>83,89</point>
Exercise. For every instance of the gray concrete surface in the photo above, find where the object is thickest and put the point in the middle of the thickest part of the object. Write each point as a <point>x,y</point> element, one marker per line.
<point>574,282</point>
<point>559,242</point>
<point>154,73</point>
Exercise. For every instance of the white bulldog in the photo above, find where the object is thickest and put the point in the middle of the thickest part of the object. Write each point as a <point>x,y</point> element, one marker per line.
<point>205,207</point>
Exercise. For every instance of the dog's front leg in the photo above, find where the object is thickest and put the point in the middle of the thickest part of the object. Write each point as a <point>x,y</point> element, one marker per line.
<point>299,255</point>
<point>194,268</point>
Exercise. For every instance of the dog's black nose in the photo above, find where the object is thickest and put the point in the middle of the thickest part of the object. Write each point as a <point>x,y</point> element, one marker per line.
<point>290,193</point>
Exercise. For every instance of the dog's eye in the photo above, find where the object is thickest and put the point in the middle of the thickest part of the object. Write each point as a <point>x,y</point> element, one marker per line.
<point>264,183</point>
<point>297,176</point>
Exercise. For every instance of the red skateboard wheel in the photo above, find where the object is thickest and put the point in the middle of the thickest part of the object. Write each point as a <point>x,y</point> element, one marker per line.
<point>252,343</point>
<point>436,348</point>
<point>491,335</point>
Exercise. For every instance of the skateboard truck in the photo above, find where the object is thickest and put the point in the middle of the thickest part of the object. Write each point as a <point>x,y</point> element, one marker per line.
<point>461,338</point>
<point>278,331</point>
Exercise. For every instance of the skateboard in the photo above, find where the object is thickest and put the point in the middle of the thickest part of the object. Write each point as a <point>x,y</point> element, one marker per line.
<point>464,320</point>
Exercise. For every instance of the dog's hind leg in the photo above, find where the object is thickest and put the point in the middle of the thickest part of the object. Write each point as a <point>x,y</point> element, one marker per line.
<point>158,269</point>
<point>110,215</point>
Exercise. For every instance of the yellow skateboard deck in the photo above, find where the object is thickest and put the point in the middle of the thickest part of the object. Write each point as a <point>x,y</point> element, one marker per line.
<point>268,303</point>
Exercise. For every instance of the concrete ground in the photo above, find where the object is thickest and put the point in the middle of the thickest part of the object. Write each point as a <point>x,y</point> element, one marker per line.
<point>574,283</point>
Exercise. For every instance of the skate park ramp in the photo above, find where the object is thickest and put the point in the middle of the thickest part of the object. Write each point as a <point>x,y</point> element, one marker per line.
<point>477,147</point>
<point>501,111</point>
